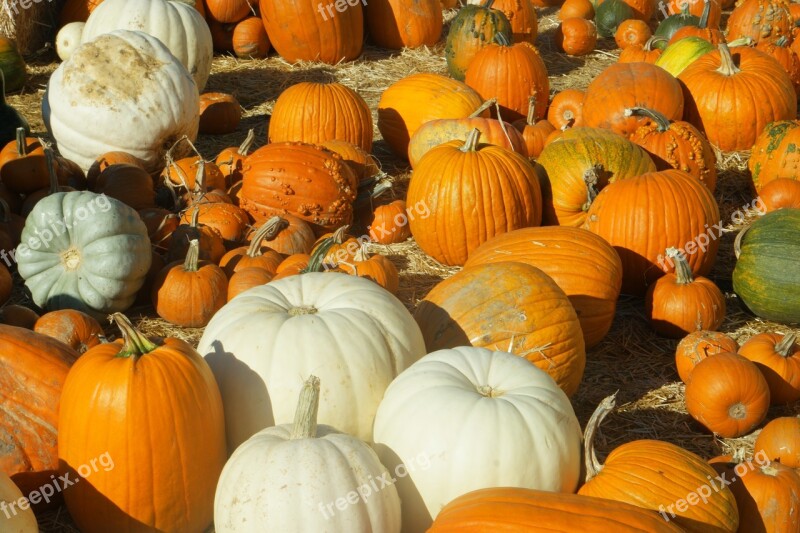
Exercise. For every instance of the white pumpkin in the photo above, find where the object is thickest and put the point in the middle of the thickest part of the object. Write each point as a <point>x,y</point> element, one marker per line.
<point>468,418</point>
<point>82,250</point>
<point>124,92</point>
<point>353,334</point>
<point>68,39</point>
<point>13,518</point>
<point>302,477</point>
<point>178,25</point>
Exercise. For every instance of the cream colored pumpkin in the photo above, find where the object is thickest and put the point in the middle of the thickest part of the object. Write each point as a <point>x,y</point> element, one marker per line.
<point>68,39</point>
<point>178,25</point>
<point>13,518</point>
<point>468,418</point>
<point>353,334</point>
<point>123,92</point>
<point>305,477</point>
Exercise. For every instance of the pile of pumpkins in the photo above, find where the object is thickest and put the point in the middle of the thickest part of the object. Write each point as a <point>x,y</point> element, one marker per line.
<point>315,399</point>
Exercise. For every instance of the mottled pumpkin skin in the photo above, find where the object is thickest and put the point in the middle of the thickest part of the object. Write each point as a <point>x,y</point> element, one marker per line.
<point>768,268</point>
<point>523,18</point>
<point>473,28</point>
<point>761,20</point>
<point>509,306</point>
<point>776,153</point>
<point>579,154</point>
<point>584,266</point>
<point>510,510</point>
<point>652,473</point>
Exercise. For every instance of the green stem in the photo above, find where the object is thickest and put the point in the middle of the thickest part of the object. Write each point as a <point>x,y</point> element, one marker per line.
<point>703,24</point>
<point>488,4</point>
<point>683,272</point>
<point>320,252</point>
<point>784,347</point>
<point>501,39</point>
<point>134,343</point>
<point>662,122</point>
<point>268,231</point>
<point>305,416</point>
<point>50,159</point>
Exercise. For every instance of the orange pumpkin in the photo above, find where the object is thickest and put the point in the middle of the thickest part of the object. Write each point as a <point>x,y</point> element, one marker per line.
<point>296,238</point>
<point>576,36</point>
<point>389,223</point>
<point>645,53</point>
<point>250,40</point>
<point>74,328</point>
<point>698,345</point>
<point>374,267</point>
<point>227,219</point>
<point>193,174</point>
<point>679,303</point>
<point>778,358</point>
<point>162,391</point>
<point>107,159</point>
<point>566,109</point>
<point>292,265</point>
<point>780,441</point>
<point>576,8</point>
<point>160,225</point>
<point>727,394</point>
<point>364,165</point>
<point>212,245</point>
<point>398,24</point>
<point>220,113</point>
<point>696,8</point>
<point>632,32</point>
<point>452,172</point>
<point>507,306</point>
<point>760,20</point>
<point>781,193</point>
<point>247,278</point>
<point>786,56</point>
<point>23,166</point>
<point>314,112</point>
<point>534,131</point>
<point>130,184</point>
<point>512,74</point>
<point>257,253</point>
<point>226,11</point>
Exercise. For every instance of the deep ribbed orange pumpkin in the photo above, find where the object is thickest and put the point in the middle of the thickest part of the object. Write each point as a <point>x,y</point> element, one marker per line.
<point>663,199</point>
<point>506,510</point>
<point>698,345</point>
<point>778,358</point>
<point>29,413</point>
<point>636,473</point>
<point>731,95</point>
<point>314,112</point>
<point>311,31</point>
<point>624,85</point>
<point>780,441</point>
<point>304,180</point>
<point>472,193</point>
<point>511,74</point>
<point>511,307</point>
<point>142,402</point>
<point>398,24</point>
<point>585,266</point>
<point>676,144</point>
<point>400,112</point>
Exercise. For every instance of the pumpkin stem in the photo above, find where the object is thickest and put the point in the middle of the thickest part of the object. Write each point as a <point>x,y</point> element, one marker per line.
<point>471,144</point>
<point>501,39</point>
<point>489,391</point>
<point>2,88</point>
<point>22,144</point>
<point>727,66</point>
<point>305,417</point>
<point>769,470</point>
<point>737,243</point>
<point>200,178</point>
<point>488,4</point>
<point>662,122</point>
<point>134,343</point>
<point>317,261</point>
<point>648,45</point>
<point>192,256</point>
<point>590,178</point>
<point>361,255</point>
<point>782,42</point>
<point>483,107</point>
<point>593,466</point>
<point>683,272</point>
<point>50,160</point>
<point>531,118</point>
<point>267,232</point>
<point>703,24</point>
<point>784,347</point>
<point>244,148</point>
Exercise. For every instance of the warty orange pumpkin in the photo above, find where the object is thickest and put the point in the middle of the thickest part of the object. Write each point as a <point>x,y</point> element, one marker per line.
<point>775,155</point>
<point>760,20</point>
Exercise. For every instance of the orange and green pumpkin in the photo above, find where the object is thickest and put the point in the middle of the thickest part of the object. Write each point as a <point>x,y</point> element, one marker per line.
<point>474,28</point>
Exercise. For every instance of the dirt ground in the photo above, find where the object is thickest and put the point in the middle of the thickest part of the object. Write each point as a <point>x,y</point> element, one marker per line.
<point>631,359</point>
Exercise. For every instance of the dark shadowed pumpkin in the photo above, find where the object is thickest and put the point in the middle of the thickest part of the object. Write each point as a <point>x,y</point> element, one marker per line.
<point>398,24</point>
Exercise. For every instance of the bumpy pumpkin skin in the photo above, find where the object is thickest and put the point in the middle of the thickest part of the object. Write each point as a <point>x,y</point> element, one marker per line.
<point>508,510</point>
<point>584,266</point>
<point>121,67</point>
<point>400,114</point>
<point>761,20</point>
<point>299,32</point>
<point>168,399</point>
<point>766,272</point>
<point>499,186</point>
<point>97,265</point>
<point>579,158</point>
<point>398,24</point>
<point>509,306</point>
<point>318,112</point>
<point>473,28</point>
<point>272,185</point>
<point>776,153</point>
<point>624,85</point>
<point>671,195</point>
<point>780,441</point>
<point>29,414</point>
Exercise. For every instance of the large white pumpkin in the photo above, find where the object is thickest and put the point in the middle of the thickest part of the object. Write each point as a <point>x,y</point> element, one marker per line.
<point>178,25</point>
<point>15,519</point>
<point>82,250</point>
<point>353,334</point>
<point>468,418</point>
<point>124,91</point>
<point>303,477</point>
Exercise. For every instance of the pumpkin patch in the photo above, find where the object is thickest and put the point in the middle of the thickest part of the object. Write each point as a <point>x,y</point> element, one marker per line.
<point>372,265</point>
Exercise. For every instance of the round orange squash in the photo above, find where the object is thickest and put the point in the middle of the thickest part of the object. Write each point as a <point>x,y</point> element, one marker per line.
<point>698,345</point>
<point>777,356</point>
<point>780,441</point>
<point>74,328</point>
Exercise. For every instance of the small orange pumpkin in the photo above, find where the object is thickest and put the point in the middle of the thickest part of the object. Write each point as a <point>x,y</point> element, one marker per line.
<point>698,345</point>
<point>257,253</point>
<point>778,358</point>
<point>632,32</point>
<point>566,109</point>
<point>780,193</point>
<point>576,36</point>
<point>390,223</point>
<point>219,113</point>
